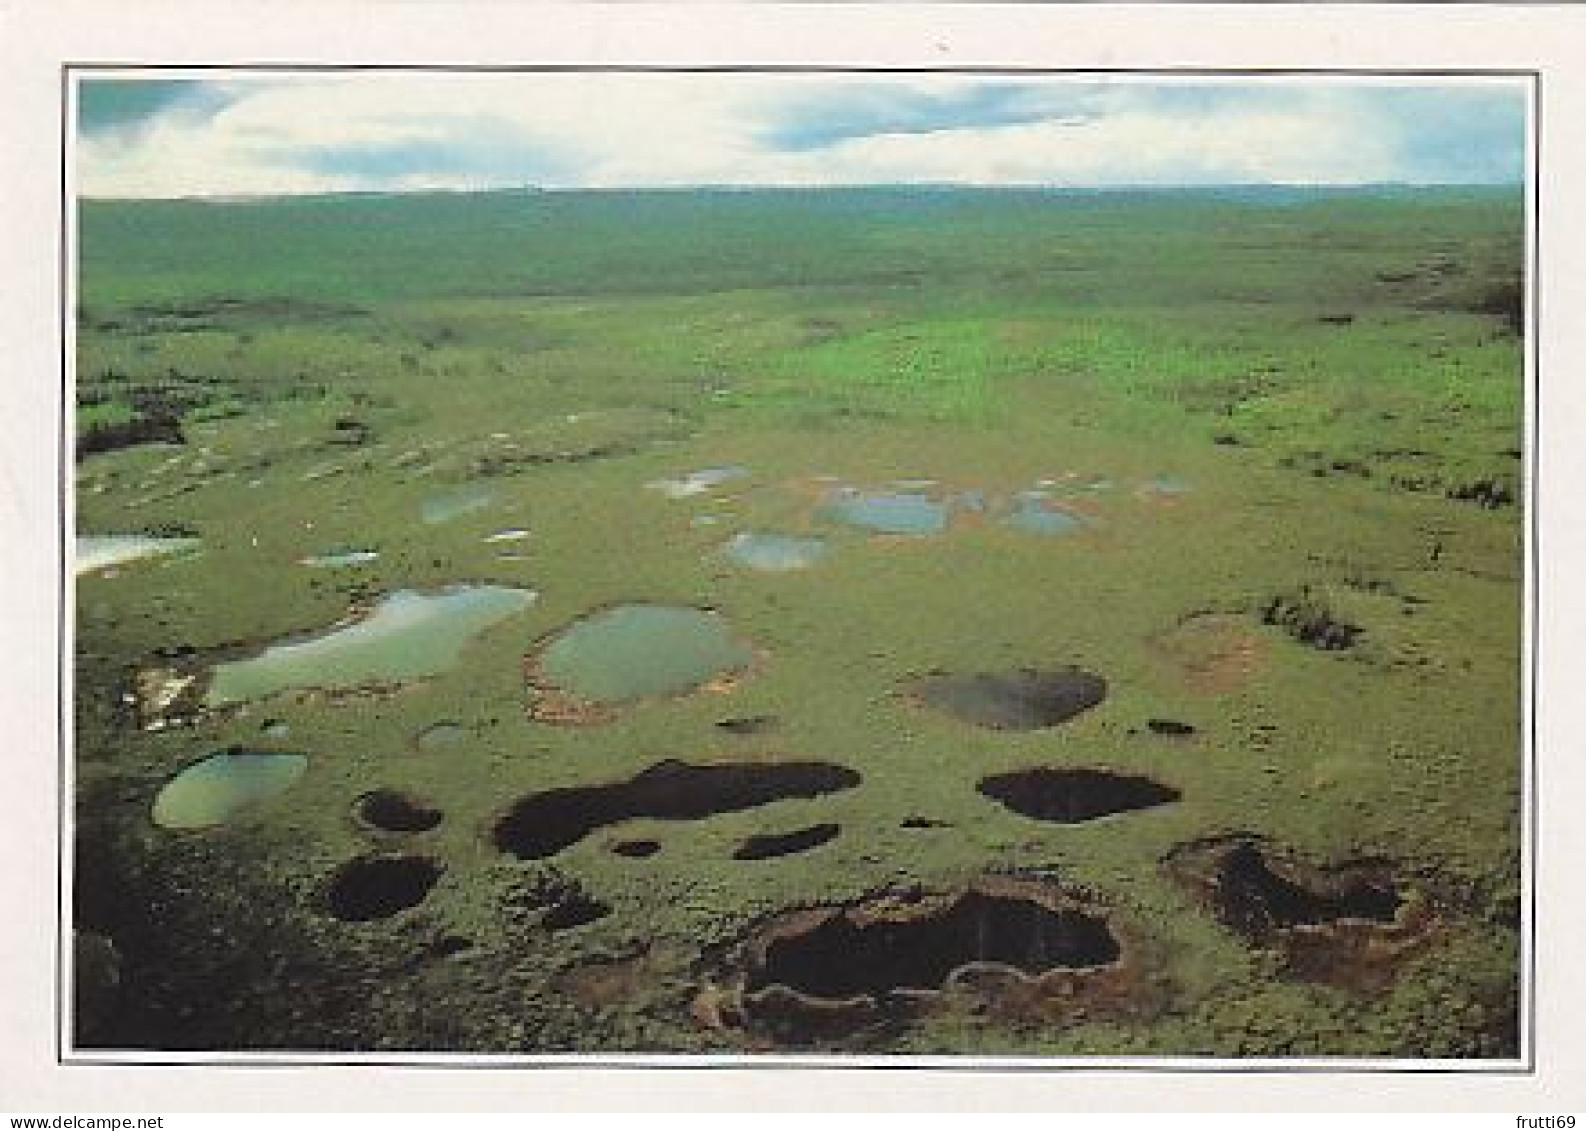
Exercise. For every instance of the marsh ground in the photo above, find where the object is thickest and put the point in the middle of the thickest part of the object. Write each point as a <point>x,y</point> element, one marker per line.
<point>1289,426</point>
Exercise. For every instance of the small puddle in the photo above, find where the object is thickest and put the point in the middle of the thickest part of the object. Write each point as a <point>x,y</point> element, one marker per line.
<point>340,558</point>
<point>1027,699</point>
<point>211,792</point>
<point>438,736</point>
<point>636,849</point>
<point>1067,796</point>
<point>1168,486</point>
<point>94,552</point>
<point>392,811</point>
<point>1032,514</point>
<point>885,512</point>
<point>377,887</point>
<point>576,910</point>
<point>972,502</point>
<point>455,503</point>
<point>407,635</point>
<point>765,846</point>
<point>774,552</point>
<point>632,652</point>
<point>749,724</point>
<point>543,824</point>
<point>700,482</point>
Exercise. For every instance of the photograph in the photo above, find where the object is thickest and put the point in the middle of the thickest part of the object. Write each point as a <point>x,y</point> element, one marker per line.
<point>798,564</point>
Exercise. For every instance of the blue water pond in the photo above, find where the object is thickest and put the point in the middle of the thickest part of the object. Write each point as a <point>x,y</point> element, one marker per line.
<point>885,512</point>
<point>774,552</point>
<point>408,635</point>
<point>211,792</point>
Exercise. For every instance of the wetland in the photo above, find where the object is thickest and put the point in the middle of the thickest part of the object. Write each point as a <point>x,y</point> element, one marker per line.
<point>983,622</point>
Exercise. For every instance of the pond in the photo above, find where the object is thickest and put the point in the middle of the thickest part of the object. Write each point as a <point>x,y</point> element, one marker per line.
<point>542,824</point>
<point>773,552</point>
<point>635,651</point>
<point>210,792</point>
<point>1024,699</point>
<point>439,735</point>
<point>885,512</point>
<point>456,502</point>
<point>1032,514</point>
<point>407,635</point>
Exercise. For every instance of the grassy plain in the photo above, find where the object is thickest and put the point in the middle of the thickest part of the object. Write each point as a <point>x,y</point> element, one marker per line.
<point>1335,378</point>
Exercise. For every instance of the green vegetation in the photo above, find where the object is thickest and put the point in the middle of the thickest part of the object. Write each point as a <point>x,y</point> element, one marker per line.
<point>1292,423</point>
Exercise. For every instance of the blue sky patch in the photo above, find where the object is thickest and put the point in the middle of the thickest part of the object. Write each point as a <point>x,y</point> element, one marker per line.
<point>1453,135</point>
<point>818,121</point>
<point>110,105</point>
<point>489,155</point>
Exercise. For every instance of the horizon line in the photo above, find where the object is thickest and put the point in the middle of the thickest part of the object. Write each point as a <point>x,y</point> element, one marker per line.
<point>857,186</point>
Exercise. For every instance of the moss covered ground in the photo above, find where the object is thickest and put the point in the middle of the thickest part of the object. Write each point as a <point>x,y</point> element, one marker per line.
<point>1329,593</point>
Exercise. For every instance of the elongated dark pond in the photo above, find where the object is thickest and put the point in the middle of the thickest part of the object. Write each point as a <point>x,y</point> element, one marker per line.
<point>765,846</point>
<point>543,824</point>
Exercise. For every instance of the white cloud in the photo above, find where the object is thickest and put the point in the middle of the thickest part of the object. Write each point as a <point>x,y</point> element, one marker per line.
<point>437,130</point>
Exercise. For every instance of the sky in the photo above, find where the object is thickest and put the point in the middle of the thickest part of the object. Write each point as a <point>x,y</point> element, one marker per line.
<point>251,134</point>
